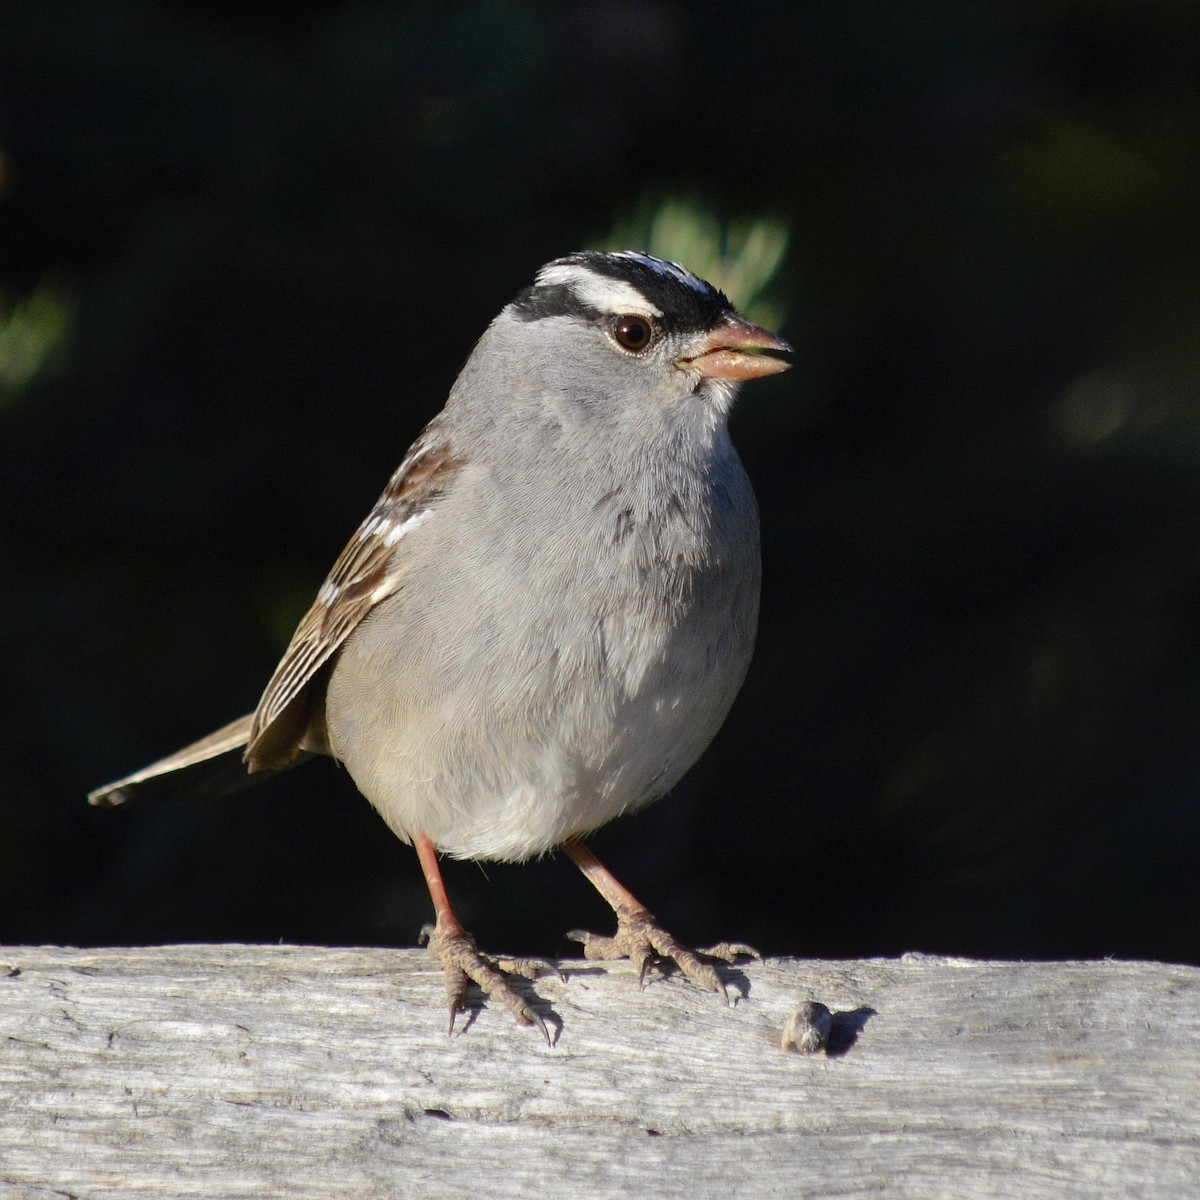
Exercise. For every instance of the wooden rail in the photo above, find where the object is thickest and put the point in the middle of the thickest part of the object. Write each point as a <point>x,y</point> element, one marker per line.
<point>262,1071</point>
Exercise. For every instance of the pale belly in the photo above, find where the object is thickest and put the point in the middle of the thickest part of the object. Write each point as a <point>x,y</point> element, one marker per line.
<point>509,763</point>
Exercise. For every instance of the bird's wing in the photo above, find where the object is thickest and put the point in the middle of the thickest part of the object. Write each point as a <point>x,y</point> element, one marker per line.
<point>366,572</point>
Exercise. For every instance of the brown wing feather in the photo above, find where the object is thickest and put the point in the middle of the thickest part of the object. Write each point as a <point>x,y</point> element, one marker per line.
<point>364,574</point>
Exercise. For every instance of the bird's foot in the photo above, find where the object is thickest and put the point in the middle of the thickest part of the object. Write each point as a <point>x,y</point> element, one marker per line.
<point>463,964</point>
<point>643,941</point>
<point>729,952</point>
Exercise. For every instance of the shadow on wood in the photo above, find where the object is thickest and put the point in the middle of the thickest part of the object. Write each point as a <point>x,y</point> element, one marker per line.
<point>247,1071</point>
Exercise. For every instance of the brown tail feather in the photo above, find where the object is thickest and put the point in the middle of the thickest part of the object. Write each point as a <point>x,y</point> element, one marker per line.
<point>212,766</point>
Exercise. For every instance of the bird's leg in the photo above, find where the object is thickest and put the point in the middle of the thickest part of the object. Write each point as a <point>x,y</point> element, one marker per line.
<point>455,949</point>
<point>639,937</point>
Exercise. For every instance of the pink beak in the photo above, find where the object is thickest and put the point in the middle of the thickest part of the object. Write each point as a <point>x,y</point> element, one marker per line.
<point>729,351</point>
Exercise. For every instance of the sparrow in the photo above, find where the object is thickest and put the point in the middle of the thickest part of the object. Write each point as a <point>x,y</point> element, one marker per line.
<point>545,618</point>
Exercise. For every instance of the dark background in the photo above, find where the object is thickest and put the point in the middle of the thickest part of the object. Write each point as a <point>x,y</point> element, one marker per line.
<point>256,244</point>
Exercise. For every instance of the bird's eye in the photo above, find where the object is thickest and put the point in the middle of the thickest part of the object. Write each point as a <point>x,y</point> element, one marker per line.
<point>634,333</point>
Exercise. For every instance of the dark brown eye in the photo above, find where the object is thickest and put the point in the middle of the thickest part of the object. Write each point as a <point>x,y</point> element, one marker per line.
<point>634,333</point>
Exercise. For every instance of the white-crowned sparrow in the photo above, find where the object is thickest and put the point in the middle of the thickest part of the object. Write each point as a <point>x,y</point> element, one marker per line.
<point>545,618</point>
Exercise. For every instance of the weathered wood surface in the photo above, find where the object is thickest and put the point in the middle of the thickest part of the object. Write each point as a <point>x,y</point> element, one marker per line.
<point>247,1071</point>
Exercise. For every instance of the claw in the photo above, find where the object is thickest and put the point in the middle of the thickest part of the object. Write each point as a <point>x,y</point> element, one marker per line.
<point>643,967</point>
<point>641,940</point>
<point>462,964</point>
<point>639,937</point>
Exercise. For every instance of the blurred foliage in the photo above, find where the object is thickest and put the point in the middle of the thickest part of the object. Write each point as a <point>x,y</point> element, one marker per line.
<point>741,257</point>
<point>243,253</point>
<point>33,330</point>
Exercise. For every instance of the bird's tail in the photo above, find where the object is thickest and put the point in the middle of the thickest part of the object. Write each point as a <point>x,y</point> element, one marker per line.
<point>213,766</point>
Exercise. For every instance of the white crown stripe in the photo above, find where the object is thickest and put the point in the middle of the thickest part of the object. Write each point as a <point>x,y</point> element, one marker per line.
<point>597,291</point>
<point>662,267</point>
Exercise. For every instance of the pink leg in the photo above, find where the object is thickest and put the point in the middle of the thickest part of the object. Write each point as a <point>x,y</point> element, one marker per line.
<point>461,961</point>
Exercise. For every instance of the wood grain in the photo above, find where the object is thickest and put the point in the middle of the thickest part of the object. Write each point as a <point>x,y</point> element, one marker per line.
<point>250,1071</point>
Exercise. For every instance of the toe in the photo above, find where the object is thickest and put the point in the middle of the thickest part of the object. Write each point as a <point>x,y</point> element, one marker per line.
<point>597,946</point>
<point>730,951</point>
<point>527,968</point>
<point>463,964</point>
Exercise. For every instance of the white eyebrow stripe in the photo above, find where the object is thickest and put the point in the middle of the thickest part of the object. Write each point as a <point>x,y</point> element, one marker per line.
<point>597,291</point>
